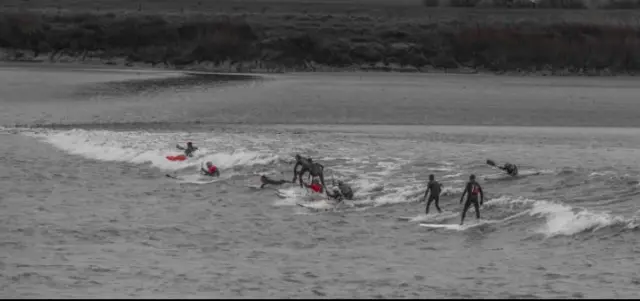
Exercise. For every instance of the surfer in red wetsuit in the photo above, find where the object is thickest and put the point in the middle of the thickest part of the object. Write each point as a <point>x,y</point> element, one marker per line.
<point>188,151</point>
<point>472,190</point>
<point>315,186</point>
<point>211,170</point>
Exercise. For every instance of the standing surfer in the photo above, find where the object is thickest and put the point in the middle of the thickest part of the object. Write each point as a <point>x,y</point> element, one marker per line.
<point>436,188</point>
<point>472,190</point>
<point>188,151</point>
<point>307,165</point>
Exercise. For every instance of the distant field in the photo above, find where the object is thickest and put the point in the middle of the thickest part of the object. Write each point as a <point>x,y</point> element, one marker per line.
<point>387,9</point>
<point>309,34</point>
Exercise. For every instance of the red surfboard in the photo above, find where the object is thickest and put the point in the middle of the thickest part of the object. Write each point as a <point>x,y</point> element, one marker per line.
<point>177,158</point>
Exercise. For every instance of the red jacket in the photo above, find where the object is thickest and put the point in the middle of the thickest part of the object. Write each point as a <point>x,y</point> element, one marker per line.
<point>316,187</point>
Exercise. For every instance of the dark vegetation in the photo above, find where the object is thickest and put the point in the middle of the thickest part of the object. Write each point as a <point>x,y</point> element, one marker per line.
<point>307,35</point>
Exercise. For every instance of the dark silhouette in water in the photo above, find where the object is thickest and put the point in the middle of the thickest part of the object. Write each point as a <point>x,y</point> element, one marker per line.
<point>267,181</point>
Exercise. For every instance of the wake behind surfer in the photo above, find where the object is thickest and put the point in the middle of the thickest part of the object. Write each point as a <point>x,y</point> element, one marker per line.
<point>189,150</point>
<point>435,188</point>
<point>472,190</point>
<point>211,170</point>
<point>268,181</point>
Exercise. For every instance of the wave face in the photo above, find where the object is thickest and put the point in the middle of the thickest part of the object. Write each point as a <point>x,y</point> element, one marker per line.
<point>91,206</point>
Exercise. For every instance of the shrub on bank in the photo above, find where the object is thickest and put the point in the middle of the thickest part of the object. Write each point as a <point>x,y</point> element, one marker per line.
<point>553,4</point>
<point>178,41</point>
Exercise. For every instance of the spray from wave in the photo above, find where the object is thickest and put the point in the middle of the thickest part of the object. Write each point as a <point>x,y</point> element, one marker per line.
<point>145,148</point>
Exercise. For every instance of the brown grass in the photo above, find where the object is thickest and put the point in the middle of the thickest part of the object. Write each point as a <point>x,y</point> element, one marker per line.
<point>346,34</point>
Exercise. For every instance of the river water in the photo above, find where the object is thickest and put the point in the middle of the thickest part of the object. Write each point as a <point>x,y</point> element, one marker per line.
<point>87,210</point>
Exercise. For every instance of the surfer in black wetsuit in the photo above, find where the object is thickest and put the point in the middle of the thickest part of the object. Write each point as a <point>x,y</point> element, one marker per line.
<point>511,169</point>
<point>472,190</point>
<point>307,165</point>
<point>304,163</point>
<point>267,181</point>
<point>436,188</point>
<point>188,151</point>
<point>342,192</point>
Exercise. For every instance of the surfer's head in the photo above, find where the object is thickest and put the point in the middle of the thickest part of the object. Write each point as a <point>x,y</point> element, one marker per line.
<point>189,144</point>
<point>472,177</point>
<point>315,181</point>
<point>298,157</point>
<point>209,164</point>
<point>432,177</point>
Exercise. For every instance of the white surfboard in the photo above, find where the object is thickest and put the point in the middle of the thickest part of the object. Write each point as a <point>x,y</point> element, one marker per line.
<point>504,176</point>
<point>456,227</point>
<point>431,217</point>
<point>193,179</point>
<point>318,205</point>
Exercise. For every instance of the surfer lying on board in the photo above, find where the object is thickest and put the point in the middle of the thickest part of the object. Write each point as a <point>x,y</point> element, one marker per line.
<point>268,181</point>
<point>511,169</point>
<point>188,151</point>
<point>472,190</point>
<point>436,188</point>
<point>211,170</point>
<point>342,192</point>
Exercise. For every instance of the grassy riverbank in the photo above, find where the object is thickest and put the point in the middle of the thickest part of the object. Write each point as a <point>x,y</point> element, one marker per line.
<point>248,36</point>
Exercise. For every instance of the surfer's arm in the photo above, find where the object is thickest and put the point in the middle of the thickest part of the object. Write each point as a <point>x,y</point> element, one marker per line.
<point>426,193</point>
<point>463,193</point>
<point>178,146</point>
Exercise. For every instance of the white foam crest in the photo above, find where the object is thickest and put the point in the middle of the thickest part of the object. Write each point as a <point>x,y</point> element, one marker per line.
<point>367,185</point>
<point>502,201</point>
<point>444,169</point>
<point>452,176</point>
<point>142,147</point>
<point>240,158</point>
<point>448,190</point>
<point>564,220</point>
<point>105,146</point>
<point>396,196</point>
<point>600,174</point>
